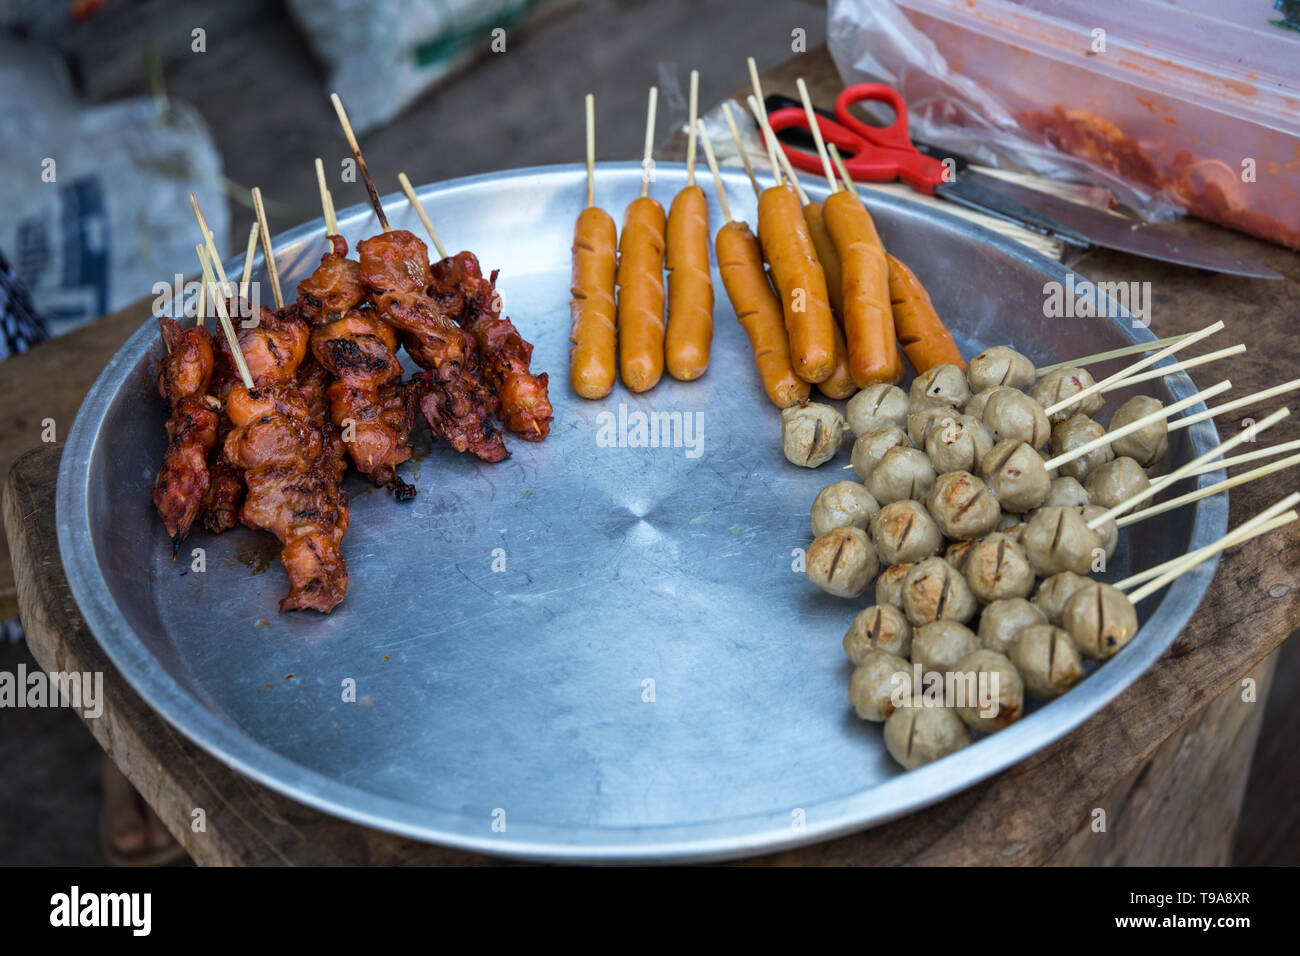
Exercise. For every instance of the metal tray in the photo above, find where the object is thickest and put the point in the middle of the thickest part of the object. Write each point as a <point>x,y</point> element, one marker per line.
<point>524,697</point>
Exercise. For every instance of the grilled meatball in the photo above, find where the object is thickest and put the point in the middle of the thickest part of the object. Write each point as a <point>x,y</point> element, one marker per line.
<point>1052,594</point>
<point>1056,539</point>
<point>811,434</point>
<point>870,447</point>
<point>1108,530</point>
<point>880,680</point>
<point>1000,365</point>
<point>975,407</point>
<point>1148,444</point>
<point>842,562</point>
<point>845,504</point>
<point>1017,476</point>
<point>1048,660</point>
<point>957,554</point>
<point>1075,432</point>
<point>1116,482</point>
<point>963,506</point>
<point>1014,415</point>
<point>901,473</point>
<point>1067,491</point>
<point>998,569</point>
<point>1100,619</point>
<point>904,532</point>
<point>877,406</point>
<point>940,385</point>
<point>1003,620</point>
<point>889,584</point>
<point>1059,385</point>
<point>933,590</point>
<point>957,445</point>
<point>939,645</point>
<point>918,735</point>
<point>881,627</point>
<point>992,672</point>
<point>921,420</point>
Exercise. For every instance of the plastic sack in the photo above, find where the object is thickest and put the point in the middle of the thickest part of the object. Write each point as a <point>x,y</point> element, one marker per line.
<point>873,41</point>
<point>382,54</point>
<point>94,201</point>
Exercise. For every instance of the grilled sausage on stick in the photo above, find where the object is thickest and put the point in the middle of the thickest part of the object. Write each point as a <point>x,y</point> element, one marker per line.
<point>593,360</point>
<point>641,280</point>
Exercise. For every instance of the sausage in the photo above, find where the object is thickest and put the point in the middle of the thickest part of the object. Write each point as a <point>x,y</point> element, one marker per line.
<point>840,384</point>
<point>740,260</point>
<point>827,256</point>
<point>801,282</point>
<point>926,341</point>
<point>868,315</point>
<point>690,287</point>
<point>592,360</point>
<point>641,295</point>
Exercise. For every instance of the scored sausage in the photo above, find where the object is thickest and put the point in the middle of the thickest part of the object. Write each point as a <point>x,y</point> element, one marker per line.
<point>593,360</point>
<point>641,295</point>
<point>926,341</point>
<point>868,315</point>
<point>690,289</point>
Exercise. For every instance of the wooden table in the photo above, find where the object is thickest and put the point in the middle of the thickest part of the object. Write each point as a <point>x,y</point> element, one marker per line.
<point>1167,760</point>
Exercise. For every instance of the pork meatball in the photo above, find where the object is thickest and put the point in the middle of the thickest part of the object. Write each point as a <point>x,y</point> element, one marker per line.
<point>918,735</point>
<point>842,562</point>
<point>963,506</point>
<point>881,627</point>
<point>904,532</point>
<point>939,645</point>
<point>1108,530</point>
<point>957,554</point>
<point>933,591</point>
<point>998,569</point>
<point>1147,445</point>
<point>1014,415</point>
<point>811,434</point>
<point>889,585</point>
<point>1052,594</point>
<point>1100,619</point>
<point>1017,476</point>
<point>921,420</point>
<point>1116,482</point>
<point>1056,539</point>
<point>879,684</point>
<point>870,447</point>
<point>958,444</point>
<point>1003,620</point>
<point>1075,432</point>
<point>1059,385</point>
<point>975,407</point>
<point>845,504</point>
<point>999,692</point>
<point>1048,660</point>
<point>940,385</point>
<point>877,406</point>
<point>1067,491</point>
<point>901,473</point>
<point>1000,365</point>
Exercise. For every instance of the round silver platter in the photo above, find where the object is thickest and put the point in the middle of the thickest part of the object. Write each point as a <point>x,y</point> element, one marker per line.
<point>648,678</point>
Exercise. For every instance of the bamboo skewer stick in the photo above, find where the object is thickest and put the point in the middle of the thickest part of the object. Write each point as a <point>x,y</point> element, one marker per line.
<point>1097,357</point>
<point>211,243</point>
<point>1249,456</point>
<point>647,159</point>
<point>1194,362</point>
<point>844,173</point>
<point>768,141</point>
<point>690,136</point>
<point>816,129</point>
<point>783,161</point>
<point>424,216</point>
<point>361,162</point>
<point>232,339</point>
<point>740,147</point>
<point>1137,366</point>
<point>202,306</point>
<point>591,150</point>
<point>326,201</point>
<point>1185,470</point>
<point>717,175</point>
<point>1236,403</point>
<point>249,252</point>
<point>1140,423</point>
<point>272,272</point>
<point>1208,491</point>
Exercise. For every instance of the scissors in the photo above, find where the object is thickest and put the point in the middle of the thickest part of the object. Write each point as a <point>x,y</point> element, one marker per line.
<point>887,153</point>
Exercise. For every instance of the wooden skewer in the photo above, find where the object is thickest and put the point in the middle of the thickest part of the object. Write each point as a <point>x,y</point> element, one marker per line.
<point>1112,354</point>
<point>1202,555</point>
<point>1162,371</point>
<point>690,136</point>
<point>1208,491</point>
<point>817,134</point>
<point>326,202</point>
<point>769,140</point>
<point>361,163</point>
<point>782,159</point>
<point>249,252</point>
<point>844,172</point>
<point>1137,366</point>
<point>740,147</point>
<point>201,251</point>
<point>424,216</point>
<point>1180,473</point>
<point>591,150</point>
<point>1252,398</point>
<point>1271,524</point>
<point>647,158</point>
<point>1140,423</point>
<point>717,175</point>
<point>231,338</point>
<point>211,243</point>
<point>268,254</point>
<point>1235,460</point>
<point>1269,514</point>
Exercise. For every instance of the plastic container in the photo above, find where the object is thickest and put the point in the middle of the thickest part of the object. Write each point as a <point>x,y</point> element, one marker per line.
<point>1195,99</point>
